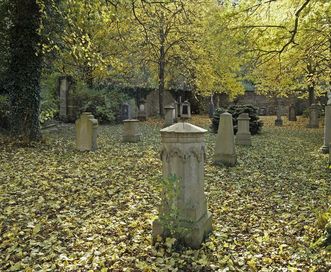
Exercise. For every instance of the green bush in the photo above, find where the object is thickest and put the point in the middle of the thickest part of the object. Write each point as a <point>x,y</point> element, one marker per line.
<point>104,104</point>
<point>255,125</point>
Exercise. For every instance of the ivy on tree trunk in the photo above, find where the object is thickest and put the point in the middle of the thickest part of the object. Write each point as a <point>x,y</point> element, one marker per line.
<point>25,69</point>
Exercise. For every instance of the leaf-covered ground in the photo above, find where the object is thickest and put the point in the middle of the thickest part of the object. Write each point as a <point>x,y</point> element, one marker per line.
<point>63,210</point>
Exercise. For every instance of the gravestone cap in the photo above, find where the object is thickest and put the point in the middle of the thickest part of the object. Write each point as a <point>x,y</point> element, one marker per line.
<point>183,128</point>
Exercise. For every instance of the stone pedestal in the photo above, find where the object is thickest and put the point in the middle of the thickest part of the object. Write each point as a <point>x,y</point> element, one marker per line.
<point>183,156</point>
<point>313,116</point>
<point>131,132</point>
<point>292,113</point>
<point>224,147</point>
<point>86,132</point>
<point>327,130</point>
<point>169,112</point>
<point>243,136</point>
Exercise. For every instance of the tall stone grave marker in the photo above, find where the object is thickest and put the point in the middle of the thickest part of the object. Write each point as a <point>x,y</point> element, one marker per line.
<point>327,126</point>
<point>169,115</point>
<point>243,136</point>
<point>224,148</point>
<point>183,156</point>
<point>313,116</point>
<point>176,105</point>
<point>142,116</point>
<point>131,132</point>
<point>291,113</point>
<point>125,111</point>
<point>86,132</point>
<point>185,110</point>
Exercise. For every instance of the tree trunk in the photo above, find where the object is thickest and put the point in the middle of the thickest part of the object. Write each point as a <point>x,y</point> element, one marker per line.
<point>311,92</point>
<point>161,81</point>
<point>25,69</point>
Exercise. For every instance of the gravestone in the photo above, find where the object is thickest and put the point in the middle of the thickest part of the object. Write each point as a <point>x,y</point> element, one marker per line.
<point>185,110</point>
<point>183,157</point>
<point>125,111</point>
<point>224,147</point>
<point>131,132</point>
<point>313,116</point>
<point>211,107</point>
<point>142,116</point>
<point>169,115</point>
<point>327,128</point>
<point>86,132</point>
<point>292,113</point>
<point>243,136</point>
<point>67,109</point>
<point>278,121</point>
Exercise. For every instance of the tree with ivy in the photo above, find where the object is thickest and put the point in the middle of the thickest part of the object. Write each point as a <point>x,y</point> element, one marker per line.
<point>24,70</point>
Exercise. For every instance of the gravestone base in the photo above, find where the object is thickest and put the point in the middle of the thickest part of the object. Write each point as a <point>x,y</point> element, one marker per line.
<point>131,138</point>
<point>225,159</point>
<point>193,233</point>
<point>142,116</point>
<point>243,139</point>
<point>278,122</point>
<point>324,149</point>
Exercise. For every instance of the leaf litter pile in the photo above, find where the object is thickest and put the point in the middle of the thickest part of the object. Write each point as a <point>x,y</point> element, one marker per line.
<point>65,210</point>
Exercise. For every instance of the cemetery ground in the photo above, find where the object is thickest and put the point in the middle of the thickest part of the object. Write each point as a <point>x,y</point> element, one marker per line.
<point>65,210</point>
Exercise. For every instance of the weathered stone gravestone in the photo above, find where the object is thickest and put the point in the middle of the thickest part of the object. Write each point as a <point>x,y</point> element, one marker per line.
<point>67,110</point>
<point>142,116</point>
<point>224,148</point>
<point>243,136</point>
<point>313,116</point>
<point>86,132</point>
<point>183,156</point>
<point>292,113</point>
<point>185,110</point>
<point>169,112</point>
<point>176,105</point>
<point>125,111</point>
<point>278,121</point>
<point>327,126</point>
<point>131,132</point>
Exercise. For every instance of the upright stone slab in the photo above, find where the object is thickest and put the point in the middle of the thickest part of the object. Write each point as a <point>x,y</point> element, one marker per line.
<point>125,111</point>
<point>224,149</point>
<point>292,113</point>
<point>142,116</point>
<point>86,132</point>
<point>64,82</point>
<point>327,130</point>
<point>131,132</point>
<point>185,110</point>
<point>313,116</point>
<point>278,121</point>
<point>243,136</point>
<point>176,105</point>
<point>169,115</point>
<point>183,156</point>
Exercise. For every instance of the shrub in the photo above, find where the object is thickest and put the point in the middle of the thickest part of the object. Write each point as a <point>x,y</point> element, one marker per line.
<point>104,104</point>
<point>255,125</point>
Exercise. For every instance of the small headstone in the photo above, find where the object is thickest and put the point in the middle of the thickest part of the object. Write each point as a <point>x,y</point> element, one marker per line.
<point>224,147</point>
<point>169,115</point>
<point>183,156</point>
<point>292,113</point>
<point>86,132</point>
<point>142,116</point>
<point>327,130</point>
<point>313,116</point>
<point>125,111</point>
<point>243,136</point>
<point>278,121</point>
<point>131,132</point>
<point>211,107</point>
<point>185,110</point>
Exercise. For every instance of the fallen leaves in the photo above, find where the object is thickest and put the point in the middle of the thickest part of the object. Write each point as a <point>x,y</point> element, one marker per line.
<point>63,210</point>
